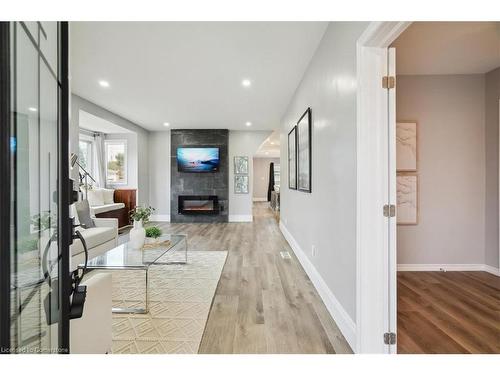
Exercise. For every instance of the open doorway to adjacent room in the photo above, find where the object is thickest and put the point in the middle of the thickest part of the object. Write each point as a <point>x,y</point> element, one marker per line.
<point>447,163</point>
<point>266,175</point>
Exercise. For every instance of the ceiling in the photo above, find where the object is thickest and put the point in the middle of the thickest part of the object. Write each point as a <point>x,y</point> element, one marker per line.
<point>448,48</point>
<point>270,148</point>
<point>190,74</point>
<point>97,124</point>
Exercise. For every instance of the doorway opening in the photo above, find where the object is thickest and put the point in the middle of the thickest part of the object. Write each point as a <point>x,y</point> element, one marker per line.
<point>447,187</point>
<point>377,182</point>
<point>266,175</point>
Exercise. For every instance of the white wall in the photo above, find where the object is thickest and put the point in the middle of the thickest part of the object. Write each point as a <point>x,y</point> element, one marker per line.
<point>492,98</point>
<point>261,176</point>
<point>449,111</point>
<point>326,218</point>
<point>77,104</point>
<point>132,159</point>
<point>159,174</point>
<point>243,143</point>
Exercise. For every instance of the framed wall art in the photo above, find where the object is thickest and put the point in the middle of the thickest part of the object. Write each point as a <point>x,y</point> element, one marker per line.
<point>407,199</point>
<point>304,152</point>
<point>241,184</point>
<point>241,165</point>
<point>292,158</point>
<point>406,146</point>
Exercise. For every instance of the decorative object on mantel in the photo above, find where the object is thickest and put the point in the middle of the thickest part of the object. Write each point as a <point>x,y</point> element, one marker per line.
<point>304,152</point>
<point>137,234</point>
<point>406,146</point>
<point>241,165</point>
<point>292,158</point>
<point>407,199</point>
<point>152,234</point>
<point>241,184</point>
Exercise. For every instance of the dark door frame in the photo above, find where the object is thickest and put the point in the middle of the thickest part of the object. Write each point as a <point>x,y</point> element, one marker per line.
<point>64,189</point>
<point>5,206</point>
<point>63,196</point>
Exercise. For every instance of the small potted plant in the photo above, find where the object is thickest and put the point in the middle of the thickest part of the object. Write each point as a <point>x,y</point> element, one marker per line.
<point>141,216</point>
<point>153,233</point>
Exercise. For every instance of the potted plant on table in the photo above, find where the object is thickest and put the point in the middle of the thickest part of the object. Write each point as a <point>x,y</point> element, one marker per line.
<point>141,216</point>
<point>153,233</point>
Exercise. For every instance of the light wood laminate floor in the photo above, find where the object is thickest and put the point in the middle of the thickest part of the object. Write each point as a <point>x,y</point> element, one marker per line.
<point>263,303</point>
<point>448,312</point>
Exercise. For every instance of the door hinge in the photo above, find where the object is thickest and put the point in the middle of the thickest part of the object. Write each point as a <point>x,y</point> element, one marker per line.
<point>388,82</point>
<point>389,210</point>
<point>390,338</point>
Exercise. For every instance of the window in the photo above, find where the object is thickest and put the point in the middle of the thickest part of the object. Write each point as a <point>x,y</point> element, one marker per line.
<point>86,155</point>
<point>116,162</point>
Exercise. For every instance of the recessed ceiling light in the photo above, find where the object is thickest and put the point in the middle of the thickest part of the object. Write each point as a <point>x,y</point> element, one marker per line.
<point>166,124</point>
<point>267,153</point>
<point>104,83</point>
<point>248,123</point>
<point>246,83</point>
<point>272,143</point>
<point>32,109</point>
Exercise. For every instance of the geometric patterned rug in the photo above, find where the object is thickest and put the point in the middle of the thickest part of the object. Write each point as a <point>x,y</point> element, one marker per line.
<point>179,303</point>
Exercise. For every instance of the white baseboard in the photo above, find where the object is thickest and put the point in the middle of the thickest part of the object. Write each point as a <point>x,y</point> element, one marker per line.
<point>341,317</point>
<point>240,218</point>
<point>260,199</point>
<point>492,270</point>
<point>448,267</point>
<point>160,218</point>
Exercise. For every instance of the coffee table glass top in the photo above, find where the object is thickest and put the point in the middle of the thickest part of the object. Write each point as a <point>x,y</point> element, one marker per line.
<point>124,256</point>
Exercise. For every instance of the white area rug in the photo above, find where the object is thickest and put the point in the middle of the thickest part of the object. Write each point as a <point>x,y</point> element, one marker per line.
<point>180,299</point>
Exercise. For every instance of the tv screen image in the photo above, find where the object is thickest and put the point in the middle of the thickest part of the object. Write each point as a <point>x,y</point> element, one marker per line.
<point>198,159</point>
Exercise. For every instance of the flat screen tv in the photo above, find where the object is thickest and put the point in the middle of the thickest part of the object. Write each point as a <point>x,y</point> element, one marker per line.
<point>198,159</point>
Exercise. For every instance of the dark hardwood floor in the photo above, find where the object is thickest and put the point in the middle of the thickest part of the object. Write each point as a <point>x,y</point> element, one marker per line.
<point>448,312</point>
<point>263,303</point>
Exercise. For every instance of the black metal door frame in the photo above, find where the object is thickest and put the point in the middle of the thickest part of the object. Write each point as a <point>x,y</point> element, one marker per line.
<point>64,190</point>
<point>5,206</point>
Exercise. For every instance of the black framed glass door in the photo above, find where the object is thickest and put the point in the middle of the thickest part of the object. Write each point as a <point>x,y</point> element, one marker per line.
<point>34,245</point>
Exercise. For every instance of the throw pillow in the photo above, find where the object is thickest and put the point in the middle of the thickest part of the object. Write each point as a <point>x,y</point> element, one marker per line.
<point>83,211</point>
<point>95,197</point>
<point>108,196</point>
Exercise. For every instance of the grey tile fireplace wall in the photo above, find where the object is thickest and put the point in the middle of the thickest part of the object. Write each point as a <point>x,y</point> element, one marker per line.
<point>188,183</point>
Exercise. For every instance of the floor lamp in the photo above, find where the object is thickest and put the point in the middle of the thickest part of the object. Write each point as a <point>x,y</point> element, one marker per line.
<point>74,160</point>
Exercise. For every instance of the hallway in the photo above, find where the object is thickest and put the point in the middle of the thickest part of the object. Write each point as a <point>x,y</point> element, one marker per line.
<point>263,303</point>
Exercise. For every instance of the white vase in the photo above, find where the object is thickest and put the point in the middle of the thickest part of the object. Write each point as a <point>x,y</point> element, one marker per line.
<point>137,235</point>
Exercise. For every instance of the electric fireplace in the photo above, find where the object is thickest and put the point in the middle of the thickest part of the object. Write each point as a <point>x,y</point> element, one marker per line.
<point>198,205</point>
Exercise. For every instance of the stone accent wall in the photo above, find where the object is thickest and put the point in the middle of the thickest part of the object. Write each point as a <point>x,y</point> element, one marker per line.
<point>182,183</point>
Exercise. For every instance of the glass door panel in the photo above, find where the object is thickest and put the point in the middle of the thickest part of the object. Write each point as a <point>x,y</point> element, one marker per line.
<point>34,248</point>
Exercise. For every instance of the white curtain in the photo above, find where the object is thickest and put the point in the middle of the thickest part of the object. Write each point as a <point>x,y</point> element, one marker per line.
<point>100,173</point>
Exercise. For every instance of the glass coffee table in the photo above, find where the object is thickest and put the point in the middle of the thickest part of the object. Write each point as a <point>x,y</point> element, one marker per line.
<point>124,257</point>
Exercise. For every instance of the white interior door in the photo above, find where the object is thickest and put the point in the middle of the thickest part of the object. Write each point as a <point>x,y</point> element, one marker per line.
<point>392,199</point>
<point>373,194</point>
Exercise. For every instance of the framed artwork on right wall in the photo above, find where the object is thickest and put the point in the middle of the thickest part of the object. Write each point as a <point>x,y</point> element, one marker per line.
<point>304,152</point>
<point>292,158</point>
